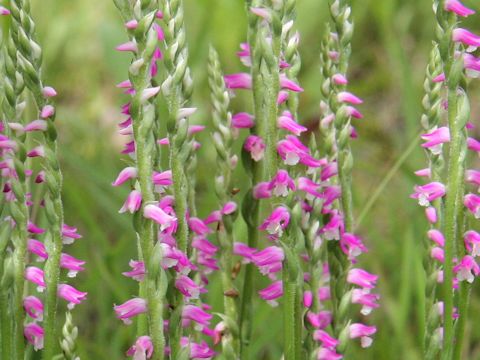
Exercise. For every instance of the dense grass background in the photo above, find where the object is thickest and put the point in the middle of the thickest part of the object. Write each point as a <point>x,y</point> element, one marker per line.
<point>390,49</point>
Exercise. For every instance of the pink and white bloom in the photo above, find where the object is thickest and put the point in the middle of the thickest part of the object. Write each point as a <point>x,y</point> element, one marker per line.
<point>262,190</point>
<point>334,228</point>
<point>325,338</point>
<point>125,175</point>
<point>34,334</point>
<point>197,315</point>
<point>363,332</point>
<point>244,251</point>
<point>458,8</point>
<point>238,81</point>
<point>188,287</point>
<point>286,122</point>
<point>472,203</point>
<point>292,151</point>
<point>36,276</point>
<point>158,215</point>
<point>142,349</point>
<point>328,354</point>
<point>276,222</point>
<point>347,97</point>
<point>472,242</point>
<point>4,11</point>
<point>431,214</point>
<point>272,292</point>
<point>33,307</point>
<point>428,193</point>
<point>473,177</point>
<point>47,111</point>
<point>352,245</point>
<point>368,300</point>
<point>467,269</point>
<point>72,295</point>
<point>132,203</point>
<point>465,37</point>
<point>137,272</point>
<point>38,248</point>
<point>362,278</point>
<point>287,84</point>
<point>130,308</point>
<point>72,264</point>
<point>255,146</point>
<point>281,184</point>
<point>269,260</point>
<point>243,120</point>
<point>128,46</point>
<point>435,139</point>
<point>437,237</point>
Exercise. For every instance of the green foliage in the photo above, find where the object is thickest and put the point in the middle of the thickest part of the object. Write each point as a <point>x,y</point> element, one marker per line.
<point>390,50</point>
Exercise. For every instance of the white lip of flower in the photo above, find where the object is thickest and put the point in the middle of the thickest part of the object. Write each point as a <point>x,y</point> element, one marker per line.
<point>72,273</point>
<point>436,149</point>
<point>168,263</point>
<point>272,303</point>
<point>274,228</point>
<point>280,190</point>
<point>365,341</point>
<point>291,158</point>
<point>423,200</point>
<point>333,234</point>
<point>477,213</point>
<point>355,251</point>
<point>366,310</point>
<point>40,289</point>
<point>465,274</point>
<point>475,250</point>
<point>257,153</point>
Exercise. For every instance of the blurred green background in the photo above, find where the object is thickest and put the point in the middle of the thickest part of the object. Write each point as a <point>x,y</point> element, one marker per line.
<point>390,49</point>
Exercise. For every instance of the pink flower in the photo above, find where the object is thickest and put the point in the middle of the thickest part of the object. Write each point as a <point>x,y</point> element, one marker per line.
<point>197,315</point>
<point>47,111</point>
<point>325,338</point>
<point>473,144</point>
<point>36,276</point>
<point>362,278</point>
<point>229,208</point>
<point>133,202</point>
<point>328,354</point>
<point>472,242</point>
<point>272,292</point>
<point>142,349</point>
<point>368,300</point>
<point>288,84</point>
<point>262,190</point>
<point>33,307</point>
<point>276,222</point>
<point>363,332</point>
<point>36,125</point>
<point>309,186</point>
<point>4,11</point>
<point>437,237</point>
<point>347,97</point>
<point>435,139</point>
<point>238,81</point>
<point>473,176</point>
<point>38,248</point>
<point>242,120</point>
<point>199,350</point>
<point>244,251</point>
<point>255,146</point>
<point>131,308</point>
<point>269,260</point>
<point>429,192</point>
<point>472,203</point>
<point>339,79</point>
<point>307,298</point>
<point>352,245</point>
<point>198,226</point>
<point>292,151</point>
<point>72,264</point>
<point>72,295</point>
<point>286,122</point>
<point>69,234</point>
<point>125,175</point>
<point>282,97</point>
<point>458,8</point>
<point>128,46</point>
<point>204,246</point>
<point>437,254</point>
<point>34,334</point>
<point>466,37</point>
<point>281,183</point>
<point>38,151</point>
<point>467,269</point>
<point>320,320</point>
<point>138,270</point>
<point>157,214</point>
<point>431,214</point>
<point>333,229</point>
<point>188,287</point>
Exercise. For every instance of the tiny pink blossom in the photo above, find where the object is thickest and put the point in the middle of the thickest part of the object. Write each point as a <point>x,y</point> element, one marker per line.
<point>362,278</point>
<point>426,172</point>
<point>281,184</point>
<point>431,214</point>
<point>48,92</point>
<point>458,8</point>
<point>473,144</point>
<point>33,307</point>
<point>142,349</point>
<point>286,122</point>
<point>262,190</point>
<point>125,175</point>
<point>36,125</point>
<point>4,11</point>
<point>132,203</point>
<point>188,287</point>
<point>347,97</point>
<point>130,308</point>
<point>287,84</point>
<point>36,276</point>
<point>276,222</point>
<point>47,111</point>
<point>197,315</point>
<point>243,120</point>
<point>339,79</point>
<point>70,294</point>
<point>326,339</point>
<point>72,264</point>
<point>435,139</point>
<point>244,251</point>
<point>437,237</point>
<point>157,214</point>
<point>34,334</point>
<point>131,24</point>
<point>472,242</point>
<point>38,248</point>
<point>429,192</point>
<point>238,81</point>
<point>137,272</point>
<point>128,46</point>
<point>467,269</point>
<point>272,292</point>
<point>269,260</point>
<point>466,37</point>
<point>368,300</point>
<point>255,146</point>
<point>363,332</point>
<point>472,203</point>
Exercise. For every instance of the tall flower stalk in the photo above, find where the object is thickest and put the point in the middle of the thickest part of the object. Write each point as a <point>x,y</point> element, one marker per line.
<point>140,22</point>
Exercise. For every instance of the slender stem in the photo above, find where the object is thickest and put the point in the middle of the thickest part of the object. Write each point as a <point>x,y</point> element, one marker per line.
<point>292,319</point>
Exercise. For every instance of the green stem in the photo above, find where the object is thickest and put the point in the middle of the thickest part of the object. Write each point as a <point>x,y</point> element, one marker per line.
<point>452,204</point>
<point>292,319</point>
